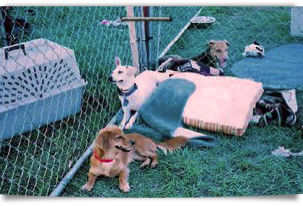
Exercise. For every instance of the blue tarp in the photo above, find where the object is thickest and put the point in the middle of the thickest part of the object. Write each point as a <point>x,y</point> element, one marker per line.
<point>281,68</point>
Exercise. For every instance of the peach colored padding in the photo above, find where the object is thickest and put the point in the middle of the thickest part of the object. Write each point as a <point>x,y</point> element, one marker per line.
<point>221,104</point>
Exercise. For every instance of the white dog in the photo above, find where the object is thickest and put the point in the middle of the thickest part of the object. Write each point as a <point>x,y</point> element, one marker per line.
<point>254,50</point>
<point>133,91</point>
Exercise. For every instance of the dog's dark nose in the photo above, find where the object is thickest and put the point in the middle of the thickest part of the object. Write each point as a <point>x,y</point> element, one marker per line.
<point>110,78</point>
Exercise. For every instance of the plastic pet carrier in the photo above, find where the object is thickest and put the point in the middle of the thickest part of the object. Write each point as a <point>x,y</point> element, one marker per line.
<point>40,83</point>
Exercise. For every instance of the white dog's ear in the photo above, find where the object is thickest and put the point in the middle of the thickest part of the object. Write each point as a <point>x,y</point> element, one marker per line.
<point>211,43</point>
<point>227,42</point>
<point>117,61</point>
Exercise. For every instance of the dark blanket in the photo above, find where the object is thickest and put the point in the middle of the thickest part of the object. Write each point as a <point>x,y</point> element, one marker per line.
<point>281,68</point>
<point>161,114</point>
<point>277,107</point>
<point>175,63</point>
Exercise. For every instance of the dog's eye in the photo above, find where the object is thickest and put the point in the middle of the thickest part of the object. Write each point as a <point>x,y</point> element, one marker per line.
<point>119,137</point>
<point>218,50</point>
<point>120,72</point>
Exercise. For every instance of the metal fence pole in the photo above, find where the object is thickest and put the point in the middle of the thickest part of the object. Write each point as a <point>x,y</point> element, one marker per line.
<point>149,39</point>
<point>141,40</point>
<point>2,29</point>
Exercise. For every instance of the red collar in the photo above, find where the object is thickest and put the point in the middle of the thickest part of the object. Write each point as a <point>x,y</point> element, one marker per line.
<point>101,159</point>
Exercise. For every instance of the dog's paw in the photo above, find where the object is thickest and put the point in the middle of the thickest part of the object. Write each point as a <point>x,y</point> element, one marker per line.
<point>121,126</point>
<point>129,125</point>
<point>125,187</point>
<point>160,68</point>
<point>154,164</point>
<point>87,187</point>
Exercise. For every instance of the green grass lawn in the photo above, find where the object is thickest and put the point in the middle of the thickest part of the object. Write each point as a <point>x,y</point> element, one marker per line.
<point>237,167</point>
<point>35,162</point>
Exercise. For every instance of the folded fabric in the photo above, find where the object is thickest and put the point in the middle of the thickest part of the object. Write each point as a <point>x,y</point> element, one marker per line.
<point>161,114</point>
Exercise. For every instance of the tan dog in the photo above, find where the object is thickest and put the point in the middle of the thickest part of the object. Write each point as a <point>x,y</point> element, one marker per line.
<point>114,150</point>
<point>215,55</point>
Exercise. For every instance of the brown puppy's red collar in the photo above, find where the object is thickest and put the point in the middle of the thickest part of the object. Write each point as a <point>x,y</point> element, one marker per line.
<point>101,159</point>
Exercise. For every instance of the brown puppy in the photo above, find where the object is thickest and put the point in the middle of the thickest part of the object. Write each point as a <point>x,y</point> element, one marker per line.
<point>146,149</point>
<point>114,150</point>
<point>112,154</point>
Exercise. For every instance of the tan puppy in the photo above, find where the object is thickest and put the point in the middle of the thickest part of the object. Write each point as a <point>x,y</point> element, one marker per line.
<point>114,150</point>
<point>112,154</point>
<point>145,148</point>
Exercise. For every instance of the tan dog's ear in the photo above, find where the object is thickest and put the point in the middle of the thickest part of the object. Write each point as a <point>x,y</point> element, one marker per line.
<point>211,43</point>
<point>99,139</point>
<point>103,139</point>
<point>227,42</point>
<point>117,61</point>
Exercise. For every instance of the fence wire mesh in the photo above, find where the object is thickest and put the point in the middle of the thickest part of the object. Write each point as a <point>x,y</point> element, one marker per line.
<point>34,162</point>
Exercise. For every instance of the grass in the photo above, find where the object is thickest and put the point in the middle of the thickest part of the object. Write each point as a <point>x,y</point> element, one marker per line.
<point>237,167</point>
<point>35,162</point>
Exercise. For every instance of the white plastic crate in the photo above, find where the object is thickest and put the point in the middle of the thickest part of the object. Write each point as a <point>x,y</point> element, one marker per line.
<point>40,83</point>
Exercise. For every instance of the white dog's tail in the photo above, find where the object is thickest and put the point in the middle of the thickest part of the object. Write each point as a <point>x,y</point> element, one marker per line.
<point>196,139</point>
<point>181,131</point>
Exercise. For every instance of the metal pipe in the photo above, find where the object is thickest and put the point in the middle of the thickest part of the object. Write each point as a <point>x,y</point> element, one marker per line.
<point>146,18</point>
<point>178,36</point>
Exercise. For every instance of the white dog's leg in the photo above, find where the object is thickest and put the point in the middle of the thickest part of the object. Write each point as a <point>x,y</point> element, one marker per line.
<point>126,116</point>
<point>131,121</point>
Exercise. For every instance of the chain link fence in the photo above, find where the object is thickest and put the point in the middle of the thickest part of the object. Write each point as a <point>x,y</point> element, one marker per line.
<point>34,162</point>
